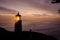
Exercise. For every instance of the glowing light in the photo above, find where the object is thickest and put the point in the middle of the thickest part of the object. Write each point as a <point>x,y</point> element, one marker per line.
<point>17,18</point>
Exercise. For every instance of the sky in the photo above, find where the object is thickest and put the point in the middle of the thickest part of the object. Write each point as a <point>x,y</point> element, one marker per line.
<point>39,15</point>
<point>31,6</point>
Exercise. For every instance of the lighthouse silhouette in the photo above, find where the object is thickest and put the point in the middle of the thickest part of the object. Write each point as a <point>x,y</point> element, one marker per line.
<point>18,23</point>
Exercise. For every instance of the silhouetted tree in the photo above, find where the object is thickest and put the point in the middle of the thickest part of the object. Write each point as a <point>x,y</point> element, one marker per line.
<point>59,11</point>
<point>55,1</point>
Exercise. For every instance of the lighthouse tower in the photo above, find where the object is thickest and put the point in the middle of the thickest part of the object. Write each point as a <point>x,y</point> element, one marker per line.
<point>18,23</point>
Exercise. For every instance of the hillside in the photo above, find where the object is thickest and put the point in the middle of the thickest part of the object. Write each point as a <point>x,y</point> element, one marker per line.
<point>24,35</point>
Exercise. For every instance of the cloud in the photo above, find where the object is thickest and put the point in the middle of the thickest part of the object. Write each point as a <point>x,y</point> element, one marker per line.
<point>6,10</point>
<point>44,5</point>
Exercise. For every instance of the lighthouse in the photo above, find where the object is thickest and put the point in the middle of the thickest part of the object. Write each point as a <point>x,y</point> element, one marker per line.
<point>18,23</point>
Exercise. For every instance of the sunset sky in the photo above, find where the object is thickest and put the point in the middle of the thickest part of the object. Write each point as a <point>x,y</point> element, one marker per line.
<point>31,6</point>
<point>38,15</point>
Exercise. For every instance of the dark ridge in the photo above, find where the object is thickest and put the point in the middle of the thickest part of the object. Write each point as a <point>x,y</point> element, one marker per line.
<point>24,35</point>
